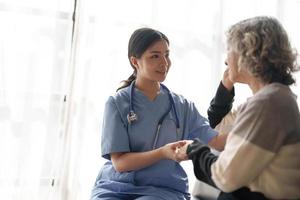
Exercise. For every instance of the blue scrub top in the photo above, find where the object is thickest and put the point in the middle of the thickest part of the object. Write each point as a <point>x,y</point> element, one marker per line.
<point>119,136</point>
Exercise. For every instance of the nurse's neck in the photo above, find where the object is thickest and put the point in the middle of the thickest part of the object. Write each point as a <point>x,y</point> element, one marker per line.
<point>148,88</point>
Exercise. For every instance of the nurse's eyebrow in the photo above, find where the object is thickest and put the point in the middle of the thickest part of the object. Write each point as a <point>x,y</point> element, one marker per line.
<point>154,51</point>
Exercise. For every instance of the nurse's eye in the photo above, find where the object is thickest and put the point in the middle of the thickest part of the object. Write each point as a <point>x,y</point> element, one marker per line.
<point>154,56</point>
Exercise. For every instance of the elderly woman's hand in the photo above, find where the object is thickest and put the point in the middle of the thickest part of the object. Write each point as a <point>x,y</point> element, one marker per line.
<point>170,150</point>
<point>181,152</point>
<point>228,84</point>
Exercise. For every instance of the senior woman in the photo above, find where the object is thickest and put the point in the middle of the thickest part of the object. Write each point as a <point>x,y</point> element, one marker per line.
<point>261,155</point>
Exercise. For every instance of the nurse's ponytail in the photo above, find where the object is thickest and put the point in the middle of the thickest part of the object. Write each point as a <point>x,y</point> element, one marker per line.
<point>140,40</point>
<point>126,83</point>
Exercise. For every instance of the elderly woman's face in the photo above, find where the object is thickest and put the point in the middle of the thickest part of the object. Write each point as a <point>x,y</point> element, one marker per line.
<point>232,63</point>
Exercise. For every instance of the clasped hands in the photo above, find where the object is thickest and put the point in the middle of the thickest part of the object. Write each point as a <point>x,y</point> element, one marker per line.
<point>177,150</point>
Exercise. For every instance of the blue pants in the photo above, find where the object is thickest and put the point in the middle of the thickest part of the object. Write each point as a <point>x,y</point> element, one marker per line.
<point>127,197</point>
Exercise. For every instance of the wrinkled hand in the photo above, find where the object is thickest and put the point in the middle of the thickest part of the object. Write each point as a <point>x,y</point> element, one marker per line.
<point>170,150</point>
<point>181,152</point>
<point>226,80</point>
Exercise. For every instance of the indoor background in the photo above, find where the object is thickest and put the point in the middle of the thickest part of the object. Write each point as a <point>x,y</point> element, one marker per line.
<point>61,59</point>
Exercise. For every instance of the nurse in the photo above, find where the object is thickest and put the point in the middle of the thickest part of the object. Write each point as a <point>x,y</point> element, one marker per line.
<point>144,125</point>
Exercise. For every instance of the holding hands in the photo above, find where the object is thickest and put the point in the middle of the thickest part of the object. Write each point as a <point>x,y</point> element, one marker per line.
<point>177,150</point>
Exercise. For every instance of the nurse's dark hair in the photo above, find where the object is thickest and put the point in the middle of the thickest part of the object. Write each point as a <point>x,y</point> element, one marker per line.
<point>264,49</point>
<point>140,40</point>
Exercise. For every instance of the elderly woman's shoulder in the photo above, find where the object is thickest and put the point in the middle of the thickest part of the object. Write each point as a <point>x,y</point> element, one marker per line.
<point>274,95</point>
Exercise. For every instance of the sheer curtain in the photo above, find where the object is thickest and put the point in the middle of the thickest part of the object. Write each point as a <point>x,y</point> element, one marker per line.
<point>53,90</point>
<point>35,40</point>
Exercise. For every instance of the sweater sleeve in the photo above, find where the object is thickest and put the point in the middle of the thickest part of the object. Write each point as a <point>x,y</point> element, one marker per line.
<point>250,147</point>
<point>202,159</point>
<point>220,105</point>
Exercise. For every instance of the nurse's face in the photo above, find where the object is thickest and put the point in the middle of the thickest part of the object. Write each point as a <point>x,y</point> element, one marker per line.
<point>154,64</point>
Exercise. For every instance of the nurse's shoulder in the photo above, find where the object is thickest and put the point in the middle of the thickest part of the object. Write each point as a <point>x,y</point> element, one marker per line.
<point>120,102</point>
<point>182,103</point>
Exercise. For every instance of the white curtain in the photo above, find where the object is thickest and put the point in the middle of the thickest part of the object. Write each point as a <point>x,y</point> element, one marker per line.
<point>53,91</point>
<point>35,41</point>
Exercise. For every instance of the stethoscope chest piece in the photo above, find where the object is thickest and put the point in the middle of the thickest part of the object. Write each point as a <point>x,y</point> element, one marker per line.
<point>131,117</point>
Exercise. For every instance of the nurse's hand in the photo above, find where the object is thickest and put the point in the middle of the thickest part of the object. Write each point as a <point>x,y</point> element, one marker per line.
<point>181,153</point>
<point>170,150</point>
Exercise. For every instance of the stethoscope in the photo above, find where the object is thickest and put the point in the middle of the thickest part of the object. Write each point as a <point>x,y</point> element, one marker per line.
<point>132,116</point>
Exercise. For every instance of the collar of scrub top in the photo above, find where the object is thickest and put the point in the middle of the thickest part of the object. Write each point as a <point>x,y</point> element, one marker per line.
<point>132,116</point>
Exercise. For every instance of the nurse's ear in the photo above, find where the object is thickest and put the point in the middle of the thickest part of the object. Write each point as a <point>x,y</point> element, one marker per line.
<point>134,62</point>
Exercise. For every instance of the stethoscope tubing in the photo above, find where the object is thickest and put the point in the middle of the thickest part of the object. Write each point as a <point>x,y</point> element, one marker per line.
<point>132,116</point>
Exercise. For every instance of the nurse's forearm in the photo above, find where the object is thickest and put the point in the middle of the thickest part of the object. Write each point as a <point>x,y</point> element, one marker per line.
<point>124,162</point>
<point>132,161</point>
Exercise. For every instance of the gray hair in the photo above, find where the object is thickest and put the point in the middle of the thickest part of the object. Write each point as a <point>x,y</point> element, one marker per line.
<point>264,49</point>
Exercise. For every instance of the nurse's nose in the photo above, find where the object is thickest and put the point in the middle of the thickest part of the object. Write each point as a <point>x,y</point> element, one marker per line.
<point>165,61</point>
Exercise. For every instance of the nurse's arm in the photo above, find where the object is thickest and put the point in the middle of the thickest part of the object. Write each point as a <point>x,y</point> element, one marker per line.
<point>132,161</point>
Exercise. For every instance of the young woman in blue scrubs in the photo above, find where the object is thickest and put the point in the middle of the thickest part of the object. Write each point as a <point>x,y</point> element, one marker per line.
<point>144,125</point>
